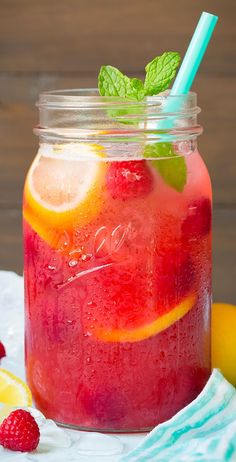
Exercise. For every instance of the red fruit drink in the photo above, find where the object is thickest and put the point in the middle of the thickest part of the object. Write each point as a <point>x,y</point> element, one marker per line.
<point>117,235</point>
<point>117,291</point>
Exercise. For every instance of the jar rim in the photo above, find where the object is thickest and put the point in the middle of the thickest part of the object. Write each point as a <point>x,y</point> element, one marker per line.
<point>84,114</point>
<point>90,97</point>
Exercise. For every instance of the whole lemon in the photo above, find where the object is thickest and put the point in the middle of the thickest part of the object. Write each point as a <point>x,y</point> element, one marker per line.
<point>224,339</point>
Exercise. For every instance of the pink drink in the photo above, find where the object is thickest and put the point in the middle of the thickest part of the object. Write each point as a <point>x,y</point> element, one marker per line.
<point>117,294</point>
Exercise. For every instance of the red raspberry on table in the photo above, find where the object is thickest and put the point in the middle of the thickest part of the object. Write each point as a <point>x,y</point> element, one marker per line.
<point>2,351</point>
<point>19,432</point>
<point>129,179</point>
<point>197,224</point>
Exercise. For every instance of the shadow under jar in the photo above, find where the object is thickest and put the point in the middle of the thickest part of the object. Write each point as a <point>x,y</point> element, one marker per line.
<point>117,252</point>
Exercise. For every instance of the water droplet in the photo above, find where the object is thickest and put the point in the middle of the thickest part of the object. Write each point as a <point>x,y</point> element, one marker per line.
<point>73,263</point>
<point>87,334</point>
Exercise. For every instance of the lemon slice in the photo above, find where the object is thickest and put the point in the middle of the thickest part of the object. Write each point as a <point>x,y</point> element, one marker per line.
<point>13,391</point>
<point>148,330</point>
<point>63,188</point>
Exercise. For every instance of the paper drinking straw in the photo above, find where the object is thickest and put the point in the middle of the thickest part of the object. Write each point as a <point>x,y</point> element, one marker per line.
<point>190,63</point>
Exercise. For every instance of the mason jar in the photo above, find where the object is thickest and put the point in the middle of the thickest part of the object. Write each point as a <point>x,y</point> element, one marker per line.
<point>117,245</point>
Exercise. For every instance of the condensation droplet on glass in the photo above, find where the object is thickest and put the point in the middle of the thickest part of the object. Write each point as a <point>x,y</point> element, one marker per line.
<point>91,304</point>
<point>89,256</point>
<point>73,263</point>
<point>51,267</point>
<point>185,147</point>
<point>87,334</point>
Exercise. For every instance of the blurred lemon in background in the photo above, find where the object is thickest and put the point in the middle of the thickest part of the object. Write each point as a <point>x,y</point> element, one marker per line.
<point>224,339</point>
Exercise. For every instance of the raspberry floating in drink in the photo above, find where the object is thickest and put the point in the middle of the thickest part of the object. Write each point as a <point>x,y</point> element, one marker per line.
<point>129,179</point>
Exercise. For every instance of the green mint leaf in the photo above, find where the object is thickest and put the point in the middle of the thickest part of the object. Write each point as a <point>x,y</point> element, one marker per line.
<point>111,82</point>
<point>122,115</point>
<point>137,88</point>
<point>160,71</point>
<point>172,170</point>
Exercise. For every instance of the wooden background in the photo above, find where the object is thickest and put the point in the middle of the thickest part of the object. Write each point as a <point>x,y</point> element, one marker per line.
<point>49,44</point>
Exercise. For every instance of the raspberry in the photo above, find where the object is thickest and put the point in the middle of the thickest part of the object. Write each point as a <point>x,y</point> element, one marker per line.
<point>198,222</point>
<point>19,432</point>
<point>2,351</point>
<point>129,179</point>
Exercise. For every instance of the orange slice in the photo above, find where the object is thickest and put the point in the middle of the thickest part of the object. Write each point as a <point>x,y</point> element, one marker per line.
<point>63,189</point>
<point>148,330</point>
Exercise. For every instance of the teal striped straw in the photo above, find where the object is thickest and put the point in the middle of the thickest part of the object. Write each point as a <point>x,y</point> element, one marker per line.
<point>190,64</point>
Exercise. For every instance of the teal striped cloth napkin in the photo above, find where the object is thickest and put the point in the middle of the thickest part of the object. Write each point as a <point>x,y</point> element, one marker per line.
<point>204,431</point>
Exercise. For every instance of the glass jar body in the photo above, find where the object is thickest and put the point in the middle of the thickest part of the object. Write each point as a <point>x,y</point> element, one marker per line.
<point>117,285</point>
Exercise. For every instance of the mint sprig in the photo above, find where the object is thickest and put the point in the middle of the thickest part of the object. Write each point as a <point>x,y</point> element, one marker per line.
<point>159,73</point>
<point>171,166</point>
<point>111,82</point>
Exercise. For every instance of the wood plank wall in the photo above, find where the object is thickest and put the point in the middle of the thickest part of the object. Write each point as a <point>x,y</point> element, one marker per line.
<point>51,44</point>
